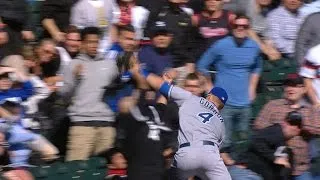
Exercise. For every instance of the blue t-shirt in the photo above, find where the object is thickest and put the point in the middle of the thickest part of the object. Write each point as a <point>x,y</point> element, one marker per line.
<point>234,65</point>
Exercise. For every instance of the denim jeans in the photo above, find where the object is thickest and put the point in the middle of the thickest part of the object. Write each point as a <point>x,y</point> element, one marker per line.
<point>242,174</point>
<point>314,147</point>
<point>236,120</point>
<point>316,177</point>
<point>304,176</point>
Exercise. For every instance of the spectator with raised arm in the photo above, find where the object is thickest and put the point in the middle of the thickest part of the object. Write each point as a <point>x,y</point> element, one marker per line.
<point>258,10</point>
<point>55,18</point>
<point>85,80</point>
<point>97,13</point>
<point>284,23</point>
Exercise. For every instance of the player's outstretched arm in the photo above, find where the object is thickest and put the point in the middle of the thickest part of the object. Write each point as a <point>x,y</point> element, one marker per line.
<point>154,81</point>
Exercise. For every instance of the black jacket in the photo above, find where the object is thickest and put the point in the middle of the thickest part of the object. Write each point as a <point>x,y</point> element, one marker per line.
<point>180,25</point>
<point>262,153</point>
<point>140,137</point>
<point>59,11</point>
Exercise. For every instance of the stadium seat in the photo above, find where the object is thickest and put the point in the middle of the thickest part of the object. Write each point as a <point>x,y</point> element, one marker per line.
<point>274,76</point>
<point>68,176</point>
<point>60,168</point>
<point>42,172</point>
<point>95,174</point>
<point>78,166</point>
<point>257,105</point>
<point>97,162</point>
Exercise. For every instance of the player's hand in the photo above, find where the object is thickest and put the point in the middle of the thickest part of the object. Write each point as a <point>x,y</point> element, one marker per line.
<point>169,75</point>
<point>282,161</point>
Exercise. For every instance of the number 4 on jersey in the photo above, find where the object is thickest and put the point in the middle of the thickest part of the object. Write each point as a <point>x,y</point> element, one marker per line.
<point>205,117</point>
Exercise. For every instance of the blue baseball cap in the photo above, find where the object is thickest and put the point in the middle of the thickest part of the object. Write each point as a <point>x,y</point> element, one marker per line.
<point>220,93</point>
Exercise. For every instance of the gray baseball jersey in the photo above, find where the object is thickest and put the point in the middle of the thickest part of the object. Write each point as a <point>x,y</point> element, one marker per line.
<point>199,119</point>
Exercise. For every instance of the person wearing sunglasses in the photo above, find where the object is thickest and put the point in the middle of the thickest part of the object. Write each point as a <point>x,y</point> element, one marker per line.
<point>238,63</point>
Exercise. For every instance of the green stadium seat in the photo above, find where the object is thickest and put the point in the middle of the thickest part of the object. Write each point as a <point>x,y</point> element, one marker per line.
<point>78,166</point>
<point>273,76</point>
<point>97,162</point>
<point>258,104</point>
<point>95,174</point>
<point>41,172</point>
<point>60,168</point>
<point>273,92</point>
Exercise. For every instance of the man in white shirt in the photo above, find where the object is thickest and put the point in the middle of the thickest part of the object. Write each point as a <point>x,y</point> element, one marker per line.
<point>310,70</point>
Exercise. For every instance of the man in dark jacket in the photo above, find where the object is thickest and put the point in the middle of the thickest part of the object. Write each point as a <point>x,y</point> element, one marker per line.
<point>140,134</point>
<point>268,154</point>
<point>179,23</point>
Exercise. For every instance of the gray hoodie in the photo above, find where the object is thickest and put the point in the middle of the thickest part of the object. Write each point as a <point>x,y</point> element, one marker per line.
<point>87,92</point>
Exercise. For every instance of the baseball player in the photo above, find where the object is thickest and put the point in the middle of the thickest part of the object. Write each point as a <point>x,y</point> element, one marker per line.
<point>201,130</point>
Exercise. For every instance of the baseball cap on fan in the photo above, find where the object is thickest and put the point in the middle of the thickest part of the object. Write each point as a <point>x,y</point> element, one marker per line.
<point>220,93</point>
<point>160,28</point>
<point>293,80</point>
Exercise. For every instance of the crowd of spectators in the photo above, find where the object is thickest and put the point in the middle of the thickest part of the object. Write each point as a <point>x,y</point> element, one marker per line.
<point>67,90</point>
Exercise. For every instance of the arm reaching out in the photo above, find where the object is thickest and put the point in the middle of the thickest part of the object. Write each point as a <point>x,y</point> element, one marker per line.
<point>159,84</point>
<point>168,90</point>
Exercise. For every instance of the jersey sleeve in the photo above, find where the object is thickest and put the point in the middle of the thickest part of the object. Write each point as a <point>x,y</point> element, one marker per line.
<point>177,94</point>
<point>309,68</point>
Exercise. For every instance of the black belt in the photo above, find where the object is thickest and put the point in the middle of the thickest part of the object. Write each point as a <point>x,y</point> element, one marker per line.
<point>203,142</point>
